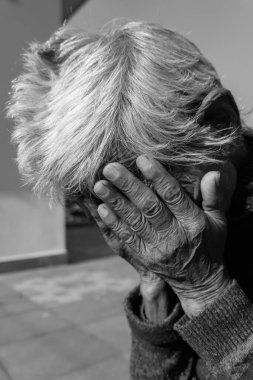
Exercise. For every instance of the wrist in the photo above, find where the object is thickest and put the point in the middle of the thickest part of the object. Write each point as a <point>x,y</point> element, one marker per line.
<point>158,301</point>
<point>151,287</point>
<point>196,300</point>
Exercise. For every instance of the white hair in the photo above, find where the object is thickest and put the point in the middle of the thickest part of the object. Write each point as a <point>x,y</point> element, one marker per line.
<point>88,99</point>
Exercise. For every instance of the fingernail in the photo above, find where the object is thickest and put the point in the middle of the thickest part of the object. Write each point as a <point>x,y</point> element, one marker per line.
<point>103,211</point>
<point>100,189</point>
<point>111,172</point>
<point>147,167</point>
<point>144,162</point>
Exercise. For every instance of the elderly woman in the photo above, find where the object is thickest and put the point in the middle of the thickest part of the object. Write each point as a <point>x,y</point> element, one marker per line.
<point>135,120</point>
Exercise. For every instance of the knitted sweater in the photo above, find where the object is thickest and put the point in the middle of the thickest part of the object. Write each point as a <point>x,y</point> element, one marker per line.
<point>216,344</point>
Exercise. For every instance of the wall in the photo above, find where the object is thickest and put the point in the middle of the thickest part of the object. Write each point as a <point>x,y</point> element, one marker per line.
<point>223,29</point>
<point>28,227</point>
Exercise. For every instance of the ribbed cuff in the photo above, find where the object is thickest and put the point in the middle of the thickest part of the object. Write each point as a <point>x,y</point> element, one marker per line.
<point>221,330</point>
<point>159,334</point>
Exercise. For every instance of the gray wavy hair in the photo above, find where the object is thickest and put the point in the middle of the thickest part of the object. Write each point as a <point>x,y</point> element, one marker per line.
<point>88,99</point>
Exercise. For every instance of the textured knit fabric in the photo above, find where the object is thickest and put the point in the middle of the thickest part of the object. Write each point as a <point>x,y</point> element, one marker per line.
<point>158,352</point>
<point>222,336</point>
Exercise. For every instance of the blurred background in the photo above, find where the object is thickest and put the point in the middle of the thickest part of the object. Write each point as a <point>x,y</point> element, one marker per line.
<point>33,235</point>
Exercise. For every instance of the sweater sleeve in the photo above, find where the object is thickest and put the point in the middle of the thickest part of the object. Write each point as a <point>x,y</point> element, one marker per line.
<point>157,351</point>
<point>222,335</point>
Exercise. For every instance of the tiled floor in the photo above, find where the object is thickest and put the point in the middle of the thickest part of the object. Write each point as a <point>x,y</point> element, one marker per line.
<point>66,323</point>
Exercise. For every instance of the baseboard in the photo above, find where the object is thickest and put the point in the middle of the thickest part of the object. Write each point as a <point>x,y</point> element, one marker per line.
<point>13,263</point>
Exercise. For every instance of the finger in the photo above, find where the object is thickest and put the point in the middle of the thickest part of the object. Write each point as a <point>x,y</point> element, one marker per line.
<point>114,242</point>
<point>117,245</point>
<point>212,199</point>
<point>125,209</point>
<point>110,238</point>
<point>139,194</point>
<point>119,228</point>
<point>187,213</point>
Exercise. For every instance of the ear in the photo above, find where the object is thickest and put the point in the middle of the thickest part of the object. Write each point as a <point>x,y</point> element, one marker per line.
<point>219,108</point>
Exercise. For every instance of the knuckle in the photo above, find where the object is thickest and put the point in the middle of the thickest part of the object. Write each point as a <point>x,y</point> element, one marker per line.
<point>152,207</point>
<point>130,214</point>
<point>129,238</point>
<point>139,223</point>
<point>128,185</point>
<point>116,203</point>
<point>115,225</point>
<point>173,194</point>
<point>124,233</point>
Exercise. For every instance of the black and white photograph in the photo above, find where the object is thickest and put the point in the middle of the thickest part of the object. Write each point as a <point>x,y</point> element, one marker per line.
<point>126,190</point>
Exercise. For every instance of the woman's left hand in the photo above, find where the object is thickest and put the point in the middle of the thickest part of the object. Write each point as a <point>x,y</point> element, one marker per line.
<point>166,231</point>
<point>157,297</point>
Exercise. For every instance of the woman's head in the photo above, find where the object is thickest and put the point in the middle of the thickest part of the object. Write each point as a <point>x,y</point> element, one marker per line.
<point>88,99</point>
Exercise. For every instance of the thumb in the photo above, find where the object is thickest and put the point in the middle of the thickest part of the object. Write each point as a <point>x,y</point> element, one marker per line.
<point>211,193</point>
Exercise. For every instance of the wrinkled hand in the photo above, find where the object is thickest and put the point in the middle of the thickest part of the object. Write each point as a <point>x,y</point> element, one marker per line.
<point>151,285</point>
<point>166,231</point>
